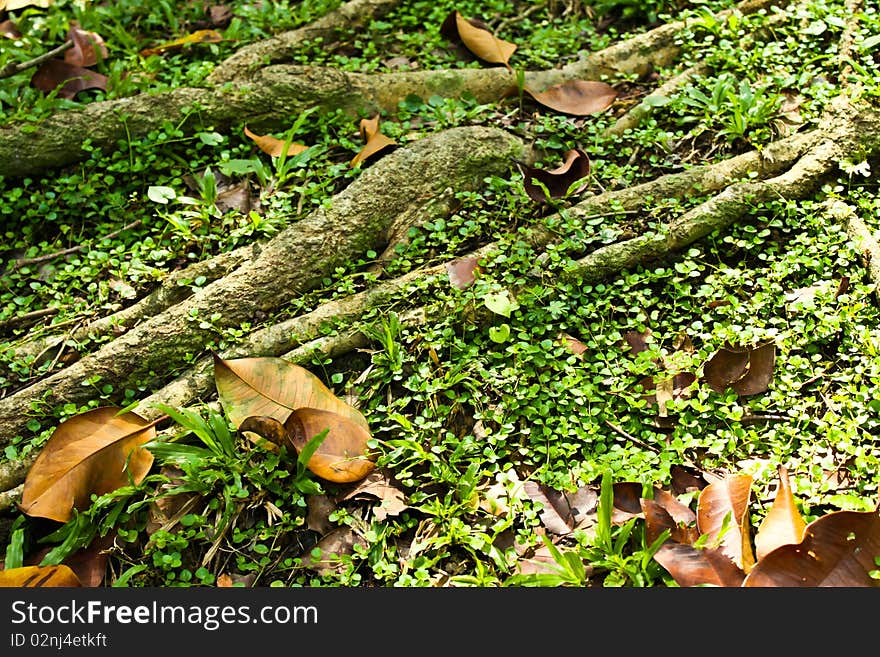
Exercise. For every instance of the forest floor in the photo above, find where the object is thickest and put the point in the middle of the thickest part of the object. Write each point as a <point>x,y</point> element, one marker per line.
<point>555,264</point>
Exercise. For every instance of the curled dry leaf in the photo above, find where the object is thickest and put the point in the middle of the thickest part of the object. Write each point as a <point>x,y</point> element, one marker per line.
<point>67,78</point>
<point>374,140</point>
<point>94,452</point>
<point>636,341</point>
<point>561,181</point>
<point>343,455</point>
<point>319,509</point>
<point>88,47</point>
<point>200,36</point>
<point>477,38</point>
<point>563,512</point>
<point>722,514</point>
<point>9,30</point>
<point>783,524</point>
<point>658,519</point>
<point>39,577</point>
<point>690,566</point>
<point>838,549</point>
<point>577,97</point>
<point>274,146</point>
<point>748,370</point>
<point>462,272</point>
<point>377,485</point>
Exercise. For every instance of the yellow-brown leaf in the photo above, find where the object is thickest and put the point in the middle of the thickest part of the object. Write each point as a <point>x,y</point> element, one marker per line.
<point>274,146</point>
<point>94,452</point>
<point>39,577</point>
<point>343,455</point>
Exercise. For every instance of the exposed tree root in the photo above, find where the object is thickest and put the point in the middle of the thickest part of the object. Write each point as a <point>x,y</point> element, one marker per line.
<point>173,289</point>
<point>292,262</point>
<point>267,97</point>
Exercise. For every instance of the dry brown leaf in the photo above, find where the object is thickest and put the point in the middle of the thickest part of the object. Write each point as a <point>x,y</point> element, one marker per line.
<point>560,181</point>
<point>220,15</point>
<point>67,78</point>
<point>319,509</point>
<point>723,515</point>
<point>574,345</point>
<point>391,499</point>
<point>748,370</point>
<point>92,453</point>
<point>839,549</point>
<point>274,146</point>
<point>577,97</point>
<point>200,36</point>
<point>477,38</point>
<point>343,455</point>
<point>39,577</point>
<point>563,512</point>
<point>9,30</point>
<point>88,47</point>
<point>462,272</point>
<point>375,140</point>
<point>783,524</point>
<point>690,566</point>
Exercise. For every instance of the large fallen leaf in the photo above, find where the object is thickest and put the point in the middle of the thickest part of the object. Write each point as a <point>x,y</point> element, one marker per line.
<point>88,47</point>
<point>343,455</point>
<point>690,566</point>
<point>746,369</point>
<point>723,515</point>
<point>39,577</point>
<point>92,453</point>
<point>577,97</point>
<point>374,140</point>
<point>200,36</point>
<point>783,524</point>
<point>67,78</point>
<point>274,146</point>
<point>839,549</point>
<point>569,178</point>
<point>477,38</point>
<point>274,387</point>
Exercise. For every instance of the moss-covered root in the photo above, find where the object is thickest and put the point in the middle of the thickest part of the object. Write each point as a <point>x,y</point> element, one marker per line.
<point>296,260</point>
<point>853,130</point>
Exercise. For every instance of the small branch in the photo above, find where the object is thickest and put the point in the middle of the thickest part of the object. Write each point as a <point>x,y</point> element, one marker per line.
<point>635,441</point>
<point>24,262</point>
<point>27,317</point>
<point>14,68</point>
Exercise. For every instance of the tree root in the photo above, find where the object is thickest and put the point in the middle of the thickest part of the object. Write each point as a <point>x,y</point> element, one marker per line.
<point>294,261</point>
<point>267,97</point>
<point>173,289</point>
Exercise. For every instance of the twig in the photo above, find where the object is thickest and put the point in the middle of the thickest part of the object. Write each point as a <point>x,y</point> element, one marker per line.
<point>23,319</point>
<point>23,262</point>
<point>14,68</point>
<point>635,441</point>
